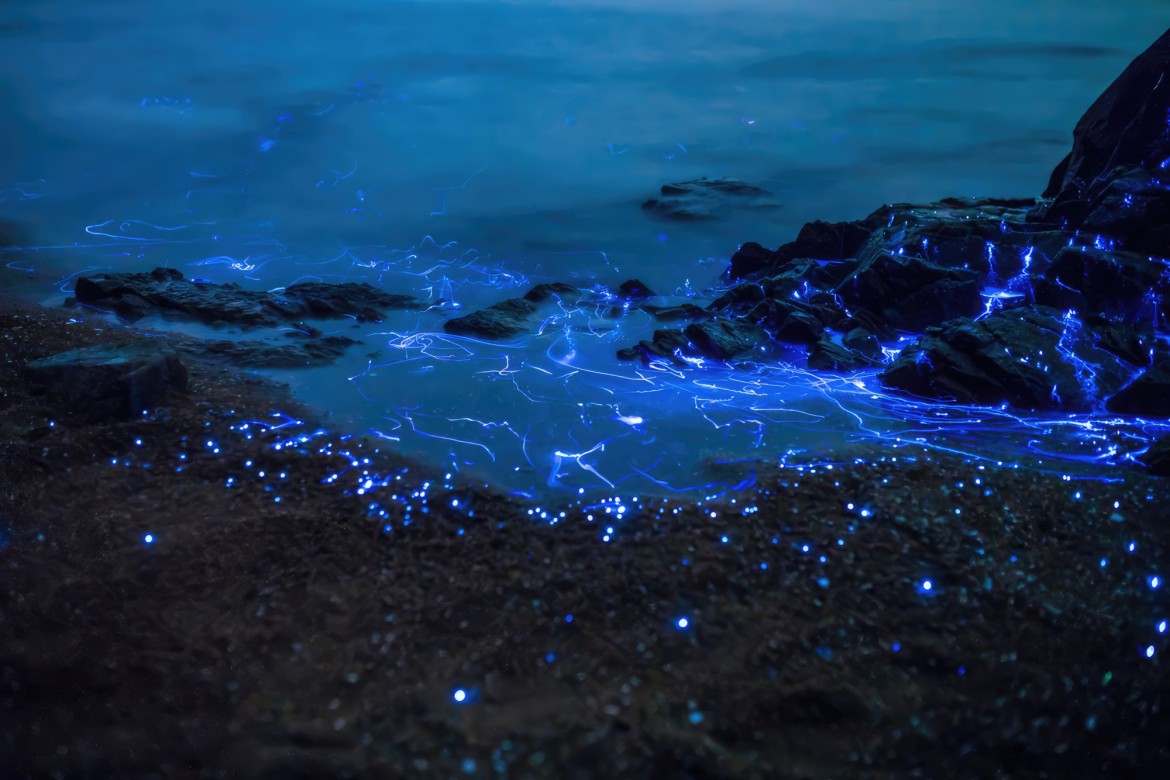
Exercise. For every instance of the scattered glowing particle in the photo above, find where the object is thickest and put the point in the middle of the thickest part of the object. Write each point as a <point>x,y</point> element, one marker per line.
<point>149,538</point>
<point>1155,581</point>
<point>1150,651</point>
<point>695,718</point>
<point>460,695</point>
<point>682,623</point>
<point>927,585</point>
<point>1162,627</point>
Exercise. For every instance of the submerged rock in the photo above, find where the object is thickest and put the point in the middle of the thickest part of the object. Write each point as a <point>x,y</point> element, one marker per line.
<point>1033,358</point>
<point>508,318</point>
<point>166,291</point>
<point>109,382</point>
<point>705,199</point>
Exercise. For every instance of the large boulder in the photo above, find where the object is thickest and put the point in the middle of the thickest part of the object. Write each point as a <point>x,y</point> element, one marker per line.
<point>108,382</point>
<point>1033,357</point>
<point>1125,127</point>
<point>1115,283</point>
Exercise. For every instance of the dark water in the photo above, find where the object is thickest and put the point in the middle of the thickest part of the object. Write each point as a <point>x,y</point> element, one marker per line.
<point>463,151</point>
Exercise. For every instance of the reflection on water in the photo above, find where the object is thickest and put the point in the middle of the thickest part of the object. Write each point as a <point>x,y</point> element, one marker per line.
<point>268,142</point>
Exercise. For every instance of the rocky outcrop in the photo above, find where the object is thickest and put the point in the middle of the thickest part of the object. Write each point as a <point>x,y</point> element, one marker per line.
<point>1033,358</point>
<point>293,353</point>
<point>165,291</point>
<point>706,199</point>
<point>508,318</point>
<point>1148,395</point>
<point>108,382</point>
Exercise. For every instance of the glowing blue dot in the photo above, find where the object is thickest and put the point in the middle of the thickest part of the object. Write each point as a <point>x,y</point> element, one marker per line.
<point>1155,581</point>
<point>469,766</point>
<point>896,647</point>
<point>927,585</point>
<point>763,566</point>
<point>460,695</point>
<point>723,539</point>
<point>568,618</point>
<point>682,622</point>
<point>550,658</point>
<point>1162,627</point>
<point>1131,546</point>
<point>804,548</point>
<point>695,718</point>
<point>1150,651</point>
<point>149,538</point>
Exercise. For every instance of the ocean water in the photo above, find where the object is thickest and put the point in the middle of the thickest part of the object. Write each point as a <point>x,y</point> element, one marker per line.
<point>462,151</point>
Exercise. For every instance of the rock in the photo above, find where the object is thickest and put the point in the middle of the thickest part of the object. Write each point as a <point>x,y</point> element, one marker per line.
<point>686,311</point>
<point>1126,127</point>
<point>634,290</point>
<point>726,340</point>
<point>1113,284</point>
<point>508,318</point>
<point>863,342</point>
<point>723,340</point>
<point>1033,357</point>
<point>109,382</point>
<point>166,291</point>
<point>815,241</point>
<point>706,199</point>
<point>307,353</point>
<point>828,355</point>
<point>800,327</point>
<point>912,293</point>
<point>1156,459</point>
<point>1148,395</point>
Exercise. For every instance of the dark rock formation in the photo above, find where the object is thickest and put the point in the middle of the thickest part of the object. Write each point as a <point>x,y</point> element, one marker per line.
<point>634,290</point>
<point>722,340</point>
<point>165,291</point>
<point>1125,127</point>
<point>302,353</point>
<point>507,318</point>
<point>912,293</point>
<point>1148,395</point>
<point>1157,458</point>
<point>816,240</point>
<point>108,382</point>
<point>706,199</point>
<point>1033,358</point>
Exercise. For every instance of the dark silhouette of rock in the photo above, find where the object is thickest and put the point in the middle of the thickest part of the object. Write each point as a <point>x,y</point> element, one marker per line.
<point>862,342</point>
<point>1148,395</point>
<point>302,353</point>
<point>1125,127</point>
<point>800,327</point>
<point>109,382</point>
<point>634,290</point>
<point>1033,357</point>
<point>1108,283</point>
<point>722,340</point>
<point>510,317</point>
<point>686,311</point>
<point>815,241</point>
<point>705,199</point>
<point>1156,459</point>
<point>166,291</point>
<point>911,293</point>
<point>828,355</point>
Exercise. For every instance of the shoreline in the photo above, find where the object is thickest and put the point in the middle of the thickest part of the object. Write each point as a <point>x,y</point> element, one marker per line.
<point>299,638</point>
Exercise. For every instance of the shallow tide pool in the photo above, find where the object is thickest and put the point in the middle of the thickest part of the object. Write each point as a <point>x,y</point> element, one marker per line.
<point>464,151</point>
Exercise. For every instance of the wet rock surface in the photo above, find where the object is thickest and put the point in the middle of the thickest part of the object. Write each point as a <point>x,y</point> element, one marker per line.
<point>706,199</point>
<point>109,382</point>
<point>508,318</point>
<point>1148,394</point>
<point>166,291</point>
<point>292,353</point>
<point>1157,457</point>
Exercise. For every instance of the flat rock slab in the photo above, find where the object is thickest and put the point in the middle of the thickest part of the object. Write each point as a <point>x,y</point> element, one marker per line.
<point>306,353</point>
<point>706,199</point>
<point>166,291</point>
<point>508,318</point>
<point>108,382</point>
